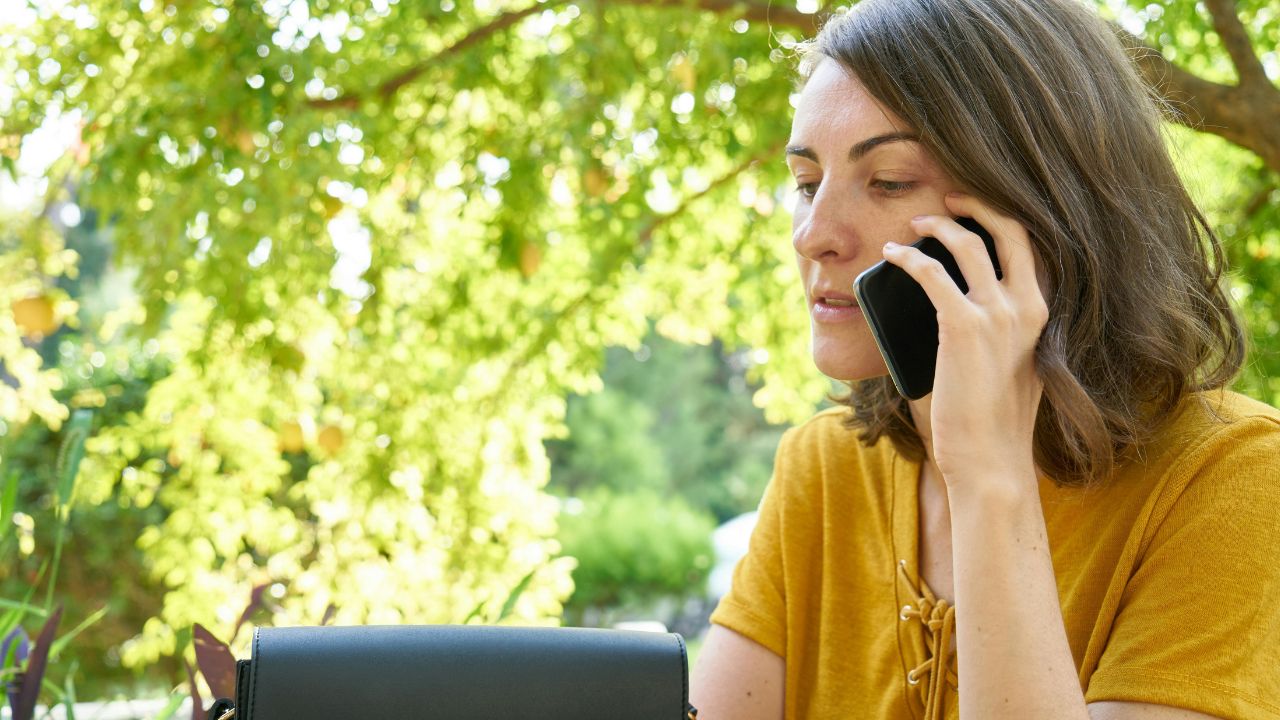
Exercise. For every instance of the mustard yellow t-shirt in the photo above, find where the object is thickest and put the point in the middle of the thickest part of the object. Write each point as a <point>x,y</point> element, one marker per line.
<point>1168,574</point>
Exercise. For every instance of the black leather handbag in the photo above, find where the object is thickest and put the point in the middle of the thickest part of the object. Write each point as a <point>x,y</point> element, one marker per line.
<point>462,672</point>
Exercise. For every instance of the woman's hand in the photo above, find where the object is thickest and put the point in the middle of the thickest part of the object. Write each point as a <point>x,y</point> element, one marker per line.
<point>985,391</point>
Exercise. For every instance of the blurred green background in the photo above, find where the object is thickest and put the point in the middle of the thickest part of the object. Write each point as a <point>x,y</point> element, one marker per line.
<point>442,311</point>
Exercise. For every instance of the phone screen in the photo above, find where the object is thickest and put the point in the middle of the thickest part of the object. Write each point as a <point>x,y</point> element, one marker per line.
<point>903,320</point>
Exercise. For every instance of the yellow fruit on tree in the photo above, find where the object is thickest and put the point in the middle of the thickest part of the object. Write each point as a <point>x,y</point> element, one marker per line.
<point>685,74</point>
<point>530,259</point>
<point>332,206</point>
<point>330,439</point>
<point>595,182</point>
<point>34,316</point>
<point>290,437</point>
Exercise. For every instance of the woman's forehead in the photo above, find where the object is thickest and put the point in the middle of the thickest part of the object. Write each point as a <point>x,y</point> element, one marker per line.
<point>834,109</point>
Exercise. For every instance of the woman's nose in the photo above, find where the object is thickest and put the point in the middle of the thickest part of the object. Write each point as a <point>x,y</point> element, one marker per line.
<point>824,230</point>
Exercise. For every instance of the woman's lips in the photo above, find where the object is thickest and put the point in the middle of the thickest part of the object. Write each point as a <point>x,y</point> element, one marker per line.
<point>839,312</point>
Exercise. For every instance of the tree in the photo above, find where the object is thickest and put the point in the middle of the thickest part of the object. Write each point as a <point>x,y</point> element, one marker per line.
<point>376,243</point>
<point>674,419</point>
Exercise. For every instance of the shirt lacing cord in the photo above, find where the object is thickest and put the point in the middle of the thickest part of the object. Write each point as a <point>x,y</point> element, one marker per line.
<point>939,620</point>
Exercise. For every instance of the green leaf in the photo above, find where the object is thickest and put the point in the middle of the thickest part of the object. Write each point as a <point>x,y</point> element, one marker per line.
<point>69,692</point>
<point>8,502</point>
<point>171,708</point>
<point>476,612</point>
<point>182,638</point>
<point>515,594</point>
<point>72,454</point>
<point>23,606</point>
<point>62,642</point>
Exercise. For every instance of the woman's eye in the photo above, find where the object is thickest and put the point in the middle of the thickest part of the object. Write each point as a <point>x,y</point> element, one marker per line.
<point>892,187</point>
<point>807,189</point>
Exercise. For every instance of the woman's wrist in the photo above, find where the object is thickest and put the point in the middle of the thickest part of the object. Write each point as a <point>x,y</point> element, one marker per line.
<point>1007,486</point>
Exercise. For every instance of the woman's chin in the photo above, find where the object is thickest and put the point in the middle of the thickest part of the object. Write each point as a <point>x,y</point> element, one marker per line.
<point>847,368</point>
<point>846,352</point>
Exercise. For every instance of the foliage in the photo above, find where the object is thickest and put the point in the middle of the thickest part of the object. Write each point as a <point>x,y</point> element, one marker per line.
<point>114,382</point>
<point>375,245</point>
<point>24,664</point>
<point>507,256</point>
<point>1242,202</point>
<point>675,419</point>
<point>634,547</point>
<point>1238,192</point>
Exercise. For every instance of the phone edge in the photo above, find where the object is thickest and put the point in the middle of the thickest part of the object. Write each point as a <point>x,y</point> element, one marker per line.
<point>873,322</point>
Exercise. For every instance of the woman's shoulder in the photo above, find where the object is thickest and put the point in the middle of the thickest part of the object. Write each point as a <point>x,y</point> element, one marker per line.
<point>831,430</point>
<point>1221,416</point>
<point>828,443</point>
<point>823,463</point>
<point>1220,433</point>
<point>828,422</point>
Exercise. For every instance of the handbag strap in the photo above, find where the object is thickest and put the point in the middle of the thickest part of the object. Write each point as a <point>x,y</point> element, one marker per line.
<point>222,709</point>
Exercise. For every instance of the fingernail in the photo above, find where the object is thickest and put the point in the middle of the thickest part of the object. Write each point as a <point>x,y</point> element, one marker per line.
<point>918,218</point>
<point>891,246</point>
<point>955,194</point>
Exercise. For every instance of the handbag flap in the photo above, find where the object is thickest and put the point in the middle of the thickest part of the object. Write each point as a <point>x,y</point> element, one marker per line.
<point>464,671</point>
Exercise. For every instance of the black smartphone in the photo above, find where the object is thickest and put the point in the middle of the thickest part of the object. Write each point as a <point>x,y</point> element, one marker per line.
<point>903,320</point>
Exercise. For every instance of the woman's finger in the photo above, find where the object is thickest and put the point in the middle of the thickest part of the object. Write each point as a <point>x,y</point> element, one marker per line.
<point>930,274</point>
<point>968,250</point>
<point>1013,245</point>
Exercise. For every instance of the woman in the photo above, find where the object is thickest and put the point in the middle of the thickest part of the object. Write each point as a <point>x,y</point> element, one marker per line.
<point>1078,522</point>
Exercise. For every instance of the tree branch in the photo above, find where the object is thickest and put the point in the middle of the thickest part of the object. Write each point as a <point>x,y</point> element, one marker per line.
<point>647,233</point>
<point>500,23</point>
<point>593,293</point>
<point>1236,40</point>
<point>1260,199</point>
<point>386,89</point>
<point>1244,115</point>
<point>752,10</point>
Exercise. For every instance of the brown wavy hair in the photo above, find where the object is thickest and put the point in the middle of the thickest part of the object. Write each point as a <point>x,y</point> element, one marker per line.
<point>1034,106</point>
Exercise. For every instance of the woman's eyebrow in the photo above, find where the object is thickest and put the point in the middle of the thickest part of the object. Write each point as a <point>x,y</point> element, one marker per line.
<point>860,149</point>
<point>857,151</point>
<point>802,151</point>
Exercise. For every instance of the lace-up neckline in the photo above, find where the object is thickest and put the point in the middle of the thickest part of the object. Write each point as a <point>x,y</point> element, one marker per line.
<point>939,620</point>
<point>926,624</point>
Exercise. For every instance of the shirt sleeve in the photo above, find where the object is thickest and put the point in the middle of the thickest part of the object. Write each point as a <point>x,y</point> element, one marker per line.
<point>755,605</point>
<point>1199,621</point>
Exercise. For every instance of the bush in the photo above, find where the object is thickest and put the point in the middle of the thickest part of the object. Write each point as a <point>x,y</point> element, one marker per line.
<point>634,548</point>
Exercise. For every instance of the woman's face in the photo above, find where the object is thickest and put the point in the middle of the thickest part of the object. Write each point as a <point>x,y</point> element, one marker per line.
<point>862,176</point>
